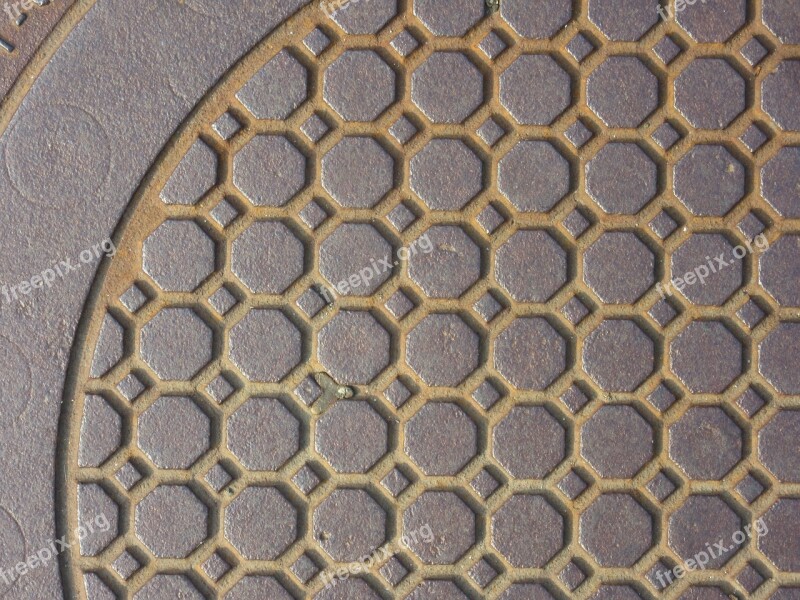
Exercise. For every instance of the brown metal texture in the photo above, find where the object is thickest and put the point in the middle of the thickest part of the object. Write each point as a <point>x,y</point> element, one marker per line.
<point>518,383</point>
<point>22,33</point>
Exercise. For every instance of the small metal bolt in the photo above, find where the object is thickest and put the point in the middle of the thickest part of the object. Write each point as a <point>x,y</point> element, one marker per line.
<point>492,6</point>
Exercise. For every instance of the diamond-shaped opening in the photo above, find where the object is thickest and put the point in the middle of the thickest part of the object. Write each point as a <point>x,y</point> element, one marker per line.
<point>223,300</point>
<point>306,567</point>
<point>751,313</point>
<point>217,565</point>
<point>754,137</point>
<point>580,47</point>
<point>315,128</point>
<point>576,310</point>
<point>664,396</point>
<point>307,479</point>
<point>574,484</point>
<point>398,392</point>
<point>659,574</point>
<point>395,570</point>
<point>751,576</point>
<point>226,126</point>
<point>134,298</point>
<point>751,487</point>
<point>317,41</point>
<point>666,135</point>
<point>575,398</point>
<point>401,216</point>
<point>576,222</point>
<point>667,50</point>
<point>221,387</point>
<point>225,212</point>
<point>491,217</point>
<point>127,563</point>
<point>308,390</point>
<point>131,473</point>
<point>663,224</point>
<point>488,306</point>
<point>311,302</point>
<point>574,574</point>
<point>663,312</point>
<point>313,214</point>
<point>578,133</point>
<point>488,393</point>
<point>663,485</point>
<point>397,481</point>
<point>404,129</point>
<point>132,386</point>
<point>492,131</point>
<point>493,45</point>
<point>219,476</point>
<point>754,51</point>
<point>486,483</point>
<point>751,225</point>
<point>485,571</point>
<point>751,401</point>
<point>400,304</point>
<point>404,43</point>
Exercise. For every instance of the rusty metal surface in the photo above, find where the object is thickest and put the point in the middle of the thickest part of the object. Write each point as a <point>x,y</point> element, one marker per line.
<point>518,383</point>
<point>23,32</point>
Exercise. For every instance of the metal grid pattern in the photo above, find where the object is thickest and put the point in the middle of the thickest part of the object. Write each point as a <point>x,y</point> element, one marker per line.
<point>522,388</point>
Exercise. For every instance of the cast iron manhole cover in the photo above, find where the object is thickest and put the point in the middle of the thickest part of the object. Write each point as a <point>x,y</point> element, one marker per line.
<point>433,300</point>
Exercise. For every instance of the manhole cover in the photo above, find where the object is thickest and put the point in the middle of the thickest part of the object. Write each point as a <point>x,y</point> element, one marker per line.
<point>436,299</point>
